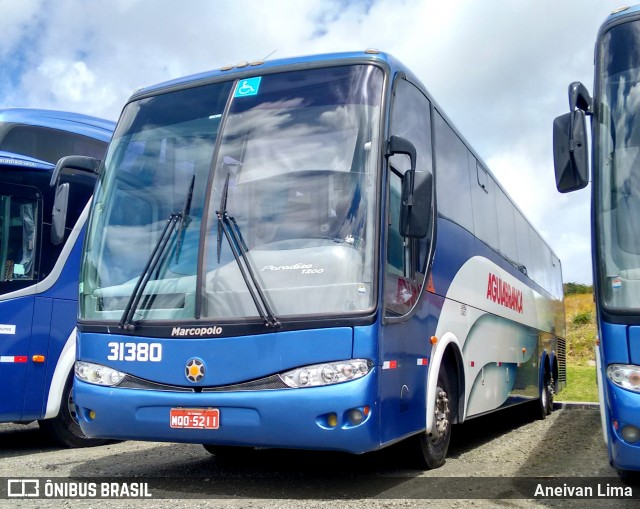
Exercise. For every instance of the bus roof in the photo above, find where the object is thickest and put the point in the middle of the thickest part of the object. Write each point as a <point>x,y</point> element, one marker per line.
<point>618,15</point>
<point>255,67</point>
<point>76,123</point>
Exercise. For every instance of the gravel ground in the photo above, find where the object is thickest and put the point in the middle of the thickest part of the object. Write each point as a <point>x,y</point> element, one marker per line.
<point>496,450</point>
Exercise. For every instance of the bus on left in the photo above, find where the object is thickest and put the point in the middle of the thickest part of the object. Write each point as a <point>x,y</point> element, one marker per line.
<point>42,217</point>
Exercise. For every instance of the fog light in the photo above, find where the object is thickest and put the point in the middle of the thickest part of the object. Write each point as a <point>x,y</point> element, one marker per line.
<point>355,416</point>
<point>630,434</point>
<point>332,420</point>
<point>92,414</point>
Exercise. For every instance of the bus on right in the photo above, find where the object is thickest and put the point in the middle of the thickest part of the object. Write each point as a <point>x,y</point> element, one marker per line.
<point>615,219</point>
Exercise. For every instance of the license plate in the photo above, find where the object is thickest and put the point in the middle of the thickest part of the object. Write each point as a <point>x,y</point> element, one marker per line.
<point>194,418</point>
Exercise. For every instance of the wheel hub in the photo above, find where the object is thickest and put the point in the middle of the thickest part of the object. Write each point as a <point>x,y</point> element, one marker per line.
<point>442,414</point>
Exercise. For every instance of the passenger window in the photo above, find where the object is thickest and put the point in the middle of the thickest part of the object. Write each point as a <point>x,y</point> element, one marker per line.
<point>18,237</point>
<point>452,179</point>
<point>522,243</point>
<point>483,197</point>
<point>506,226</point>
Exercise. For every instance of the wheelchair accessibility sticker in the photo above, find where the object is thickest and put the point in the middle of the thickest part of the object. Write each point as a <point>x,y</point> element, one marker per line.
<point>247,87</point>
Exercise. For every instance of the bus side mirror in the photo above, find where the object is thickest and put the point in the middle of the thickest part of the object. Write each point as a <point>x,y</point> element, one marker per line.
<point>415,212</point>
<point>570,143</point>
<point>66,166</point>
<point>59,214</point>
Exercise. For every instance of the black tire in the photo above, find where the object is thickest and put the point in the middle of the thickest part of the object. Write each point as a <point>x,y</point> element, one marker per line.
<point>228,453</point>
<point>545,402</point>
<point>429,451</point>
<point>64,428</point>
<point>630,477</point>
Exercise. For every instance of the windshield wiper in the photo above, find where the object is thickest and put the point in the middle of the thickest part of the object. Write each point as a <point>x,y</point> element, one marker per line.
<point>227,225</point>
<point>157,255</point>
<point>185,219</point>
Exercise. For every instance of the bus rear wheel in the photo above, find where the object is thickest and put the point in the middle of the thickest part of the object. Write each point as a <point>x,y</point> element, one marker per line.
<point>546,395</point>
<point>64,429</point>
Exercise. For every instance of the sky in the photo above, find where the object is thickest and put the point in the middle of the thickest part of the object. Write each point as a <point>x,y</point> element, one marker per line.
<point>499,68</point>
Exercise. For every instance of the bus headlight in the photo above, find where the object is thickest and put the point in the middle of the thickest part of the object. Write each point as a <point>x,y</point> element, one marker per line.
<point>327,373</point>
<point>97,374</point>
<point>625,376</point>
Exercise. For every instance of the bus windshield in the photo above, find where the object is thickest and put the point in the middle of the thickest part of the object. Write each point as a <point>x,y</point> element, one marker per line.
<point>617,172</point>
<point>279,168</point>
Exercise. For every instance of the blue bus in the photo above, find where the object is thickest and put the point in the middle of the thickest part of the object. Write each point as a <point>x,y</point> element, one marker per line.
<point>615,224</point>
<point>41,230</point>
<point>306,254</point>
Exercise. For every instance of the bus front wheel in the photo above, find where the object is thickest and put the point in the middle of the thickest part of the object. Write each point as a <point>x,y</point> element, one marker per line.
<point>430,449</point>
<point>64,428</point>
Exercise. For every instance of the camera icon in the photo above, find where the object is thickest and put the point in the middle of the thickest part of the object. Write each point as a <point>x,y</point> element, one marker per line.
<point>23,488</point>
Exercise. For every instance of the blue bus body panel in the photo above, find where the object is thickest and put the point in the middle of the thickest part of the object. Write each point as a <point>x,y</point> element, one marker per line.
<point>624,409</point>
<point>18,160</point>
<point>227,360</point>
<point>619,344</point>
<point>634,345</point>
<point>290,418</point>
<point>16,317</point>
<point>66,286</point>
<point>614,344</point>
<point>36,372</point>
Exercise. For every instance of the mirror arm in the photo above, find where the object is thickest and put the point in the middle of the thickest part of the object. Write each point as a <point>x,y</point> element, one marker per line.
<point>579,98</point>
<point>80,163</point>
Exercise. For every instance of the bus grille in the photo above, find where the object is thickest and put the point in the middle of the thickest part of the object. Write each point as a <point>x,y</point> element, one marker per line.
<point>272,382</point>
<point>562,360</point>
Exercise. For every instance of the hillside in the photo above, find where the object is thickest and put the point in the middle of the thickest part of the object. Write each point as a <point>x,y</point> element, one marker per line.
<point>580,315</point>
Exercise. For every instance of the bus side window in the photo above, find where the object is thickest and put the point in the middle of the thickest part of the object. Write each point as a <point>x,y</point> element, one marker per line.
<point>406,258</point>
<point>18,221</point>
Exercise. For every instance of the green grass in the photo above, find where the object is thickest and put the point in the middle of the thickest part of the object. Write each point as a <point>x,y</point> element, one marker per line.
<point>581,384</point>
<point>580,316</point>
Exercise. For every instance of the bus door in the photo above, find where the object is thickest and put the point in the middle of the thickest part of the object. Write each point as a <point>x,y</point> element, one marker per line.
<point>405,346</point>
<point>20,223</point>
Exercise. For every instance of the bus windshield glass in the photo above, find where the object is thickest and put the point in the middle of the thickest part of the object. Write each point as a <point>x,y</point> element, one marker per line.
<point>618,167</point>
<point>271,184</point>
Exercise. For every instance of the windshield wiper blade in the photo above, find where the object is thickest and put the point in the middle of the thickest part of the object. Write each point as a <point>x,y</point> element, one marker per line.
<point>227,225</point>
<point>158,253</point>
<point>185,219</point>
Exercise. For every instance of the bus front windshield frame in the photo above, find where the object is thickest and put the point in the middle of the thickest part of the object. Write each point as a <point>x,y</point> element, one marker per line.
<point>286,175</point>
<point>617,168</point>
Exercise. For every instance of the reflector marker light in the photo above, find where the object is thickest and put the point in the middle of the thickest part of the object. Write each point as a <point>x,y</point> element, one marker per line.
<point>13,358</point>
<point>499,363</point>
<point>390,365</point>
<point>38,358</point>
<point>472,364</point>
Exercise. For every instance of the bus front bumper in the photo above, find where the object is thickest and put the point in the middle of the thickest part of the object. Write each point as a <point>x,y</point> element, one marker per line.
<point>623,412</point>
<point>309,418</point>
